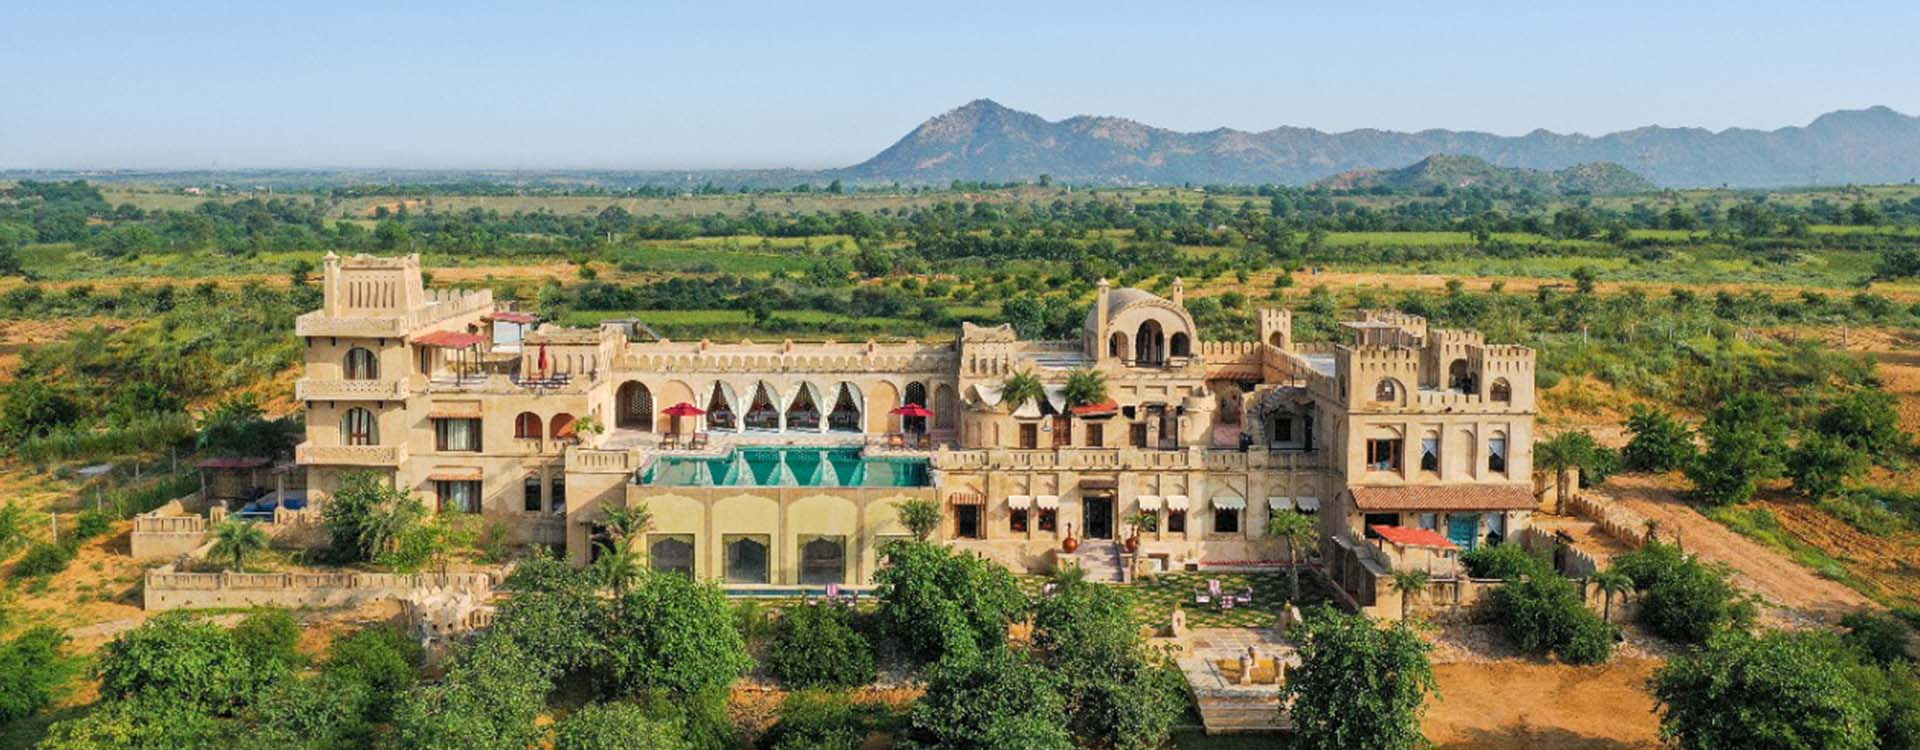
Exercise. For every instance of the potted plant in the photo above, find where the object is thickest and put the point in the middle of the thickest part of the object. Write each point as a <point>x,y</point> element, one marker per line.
<point>1142,521</point>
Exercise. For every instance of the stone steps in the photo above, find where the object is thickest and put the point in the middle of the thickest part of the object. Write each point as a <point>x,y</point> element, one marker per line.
<point>1100,560</point>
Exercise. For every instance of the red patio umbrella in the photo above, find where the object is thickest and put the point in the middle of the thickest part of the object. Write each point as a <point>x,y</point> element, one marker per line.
<point>913,410</point>
<point>682,409</point>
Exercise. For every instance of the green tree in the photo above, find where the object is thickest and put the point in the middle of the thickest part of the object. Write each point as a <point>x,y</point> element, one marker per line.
<point>392,235</point>
<point>995,700</point>
<point>384,659</point>
<point>237,427</point>
<point>920,516</point>
<point>675,634</point>
<point>1682,598</point>
<point>938,601</point>
<point>1866,421</point>
<point>1746,441</point>
<point>1659,443</point>
<point>1822,464</point>
<point>1612,583</point>
<point>616,726</point>
<point>181,658</point>
<point>32,668</point>
<point>489,699</point>
<point>1561,454</point>
<point>1298,531</point>
<point>271,639</point>
<point>142,723</point>
<point>817,647</point>
<point>33,408</point>
<point>1546,614</point>
<point>1086,386</point>
<point>367,516</point>
<point>1409,582</point>
<point>1118,692</point>
<point>819,720</point>
<point>1880,637</point>
<point>1779,691</point>
<point>1020,388</point>
<point>1358,685</point>
<point>236,539</point>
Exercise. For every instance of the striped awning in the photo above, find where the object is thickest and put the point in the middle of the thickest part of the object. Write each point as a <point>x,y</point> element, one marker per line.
<point>1019,502</point>
<point>1229,502</point>
<point>1047,502</point>
<point>1177,502</point>
<point>967,498</point>
<point>1149,503</point>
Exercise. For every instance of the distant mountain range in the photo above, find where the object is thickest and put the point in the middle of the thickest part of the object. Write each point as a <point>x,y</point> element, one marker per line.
<point>985,141</point>
<point>1445,171</point>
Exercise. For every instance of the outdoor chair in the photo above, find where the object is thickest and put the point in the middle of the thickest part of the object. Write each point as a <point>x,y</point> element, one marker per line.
<point>896,440</point>
<point>1244,597</point>
<point>697,442</point>
<point>670,440</point>
<point>1201,597</point>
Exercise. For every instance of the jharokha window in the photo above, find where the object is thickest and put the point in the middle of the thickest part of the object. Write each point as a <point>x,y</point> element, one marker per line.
<point>1383,454</point>
<point>1430,454</point>
<point>357,427</point>
<point>361,365</point>
<point>527,426</point>
<point>1497,454</point>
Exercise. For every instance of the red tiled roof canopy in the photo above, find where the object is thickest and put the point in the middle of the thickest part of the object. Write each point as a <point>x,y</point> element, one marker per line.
<point>510,316</point>
<point>1413,537</point>
<point>449,339</point>
<point>1444,497</point>
<point>242,462</point>
<point>1108,406</point>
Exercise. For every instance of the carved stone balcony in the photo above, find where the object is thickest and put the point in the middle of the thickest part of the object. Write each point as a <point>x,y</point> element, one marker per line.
<point>307,454</point>
<point>314,389</point>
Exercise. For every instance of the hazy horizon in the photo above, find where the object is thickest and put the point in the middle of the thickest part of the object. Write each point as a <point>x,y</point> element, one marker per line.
<point>606,86</point>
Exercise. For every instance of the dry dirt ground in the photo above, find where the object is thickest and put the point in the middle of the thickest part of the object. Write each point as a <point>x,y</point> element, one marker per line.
<point>1523,705</point>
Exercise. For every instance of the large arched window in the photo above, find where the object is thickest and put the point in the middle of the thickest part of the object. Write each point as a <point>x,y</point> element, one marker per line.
<point>1117,345</point>
<point>945,406</point>
<point>527,425</point>
<point>636,407</point>
<point>823,560</point>
<point>1387,390</point>
<point>361,364</point>
<point>1458,377</point>
<point>1181,345</point>
<point>1500,391</point>
<point>672,553</point>
<point>562,427</point>
<point>357,427</point>
<point>746,559</point>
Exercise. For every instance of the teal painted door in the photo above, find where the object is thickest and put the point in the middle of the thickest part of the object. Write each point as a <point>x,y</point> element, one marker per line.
<point>1463,529</point>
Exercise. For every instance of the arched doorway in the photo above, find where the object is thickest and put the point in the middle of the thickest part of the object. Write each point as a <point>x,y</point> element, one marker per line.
<point>1181,345</point>
<point>823,560</point>
<point>845,416</point>
<point>946,407</point>
<point>916,394</point>
<point>1117,346</point>
<point>761,412</point>
<point>720,410</point>
<point>635,407</point>
<point>1150,344</point>
<point>1458,378</point>
<point>804,412</point>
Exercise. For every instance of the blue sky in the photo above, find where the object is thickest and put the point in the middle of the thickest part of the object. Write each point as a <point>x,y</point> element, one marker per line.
<point>745,84</point>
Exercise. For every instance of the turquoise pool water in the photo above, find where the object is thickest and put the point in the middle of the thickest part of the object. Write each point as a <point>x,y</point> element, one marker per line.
<point>787,466</point>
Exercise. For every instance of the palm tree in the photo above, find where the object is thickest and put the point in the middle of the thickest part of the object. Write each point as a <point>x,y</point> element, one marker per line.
<point>617,568</point>
<point>626,522</point>
<point>1562,453</point>
<point>1086,386</point>
<point>1409,582</point>
<point>1297,530</point>
<point>239,539</point>
<point>1021,387</point>
<point>1611,582</point>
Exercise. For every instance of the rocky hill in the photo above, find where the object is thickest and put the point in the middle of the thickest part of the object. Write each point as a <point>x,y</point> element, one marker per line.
<point>988,142</point>
<point>1454,172</point>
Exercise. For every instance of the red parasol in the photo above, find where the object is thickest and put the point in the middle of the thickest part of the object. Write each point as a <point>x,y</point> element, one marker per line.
<point>684,409</point>
<point>913,410</point>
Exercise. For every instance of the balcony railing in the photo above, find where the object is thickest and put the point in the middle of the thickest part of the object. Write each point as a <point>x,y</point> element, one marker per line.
<point>350,455</point>
<point>315,389</point>
<point>1083,459</point>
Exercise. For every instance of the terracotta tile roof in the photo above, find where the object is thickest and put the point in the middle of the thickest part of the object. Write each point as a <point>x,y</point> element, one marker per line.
<point>449,339</point>
<point>1108,406</point>
<point>511,316</point>
<point>1444,497</point>
<point>1413,537</point>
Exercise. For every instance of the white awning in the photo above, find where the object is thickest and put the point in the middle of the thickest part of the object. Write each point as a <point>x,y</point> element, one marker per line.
<point>987,395</point>
<point>1027,410</point>
<point>1229,502</point>
<point>1308,504</point>
<point>1176,502</point>
<point>1057,396</point>
<point>1149,503</point>
<point>1019,502</point>
<point>1047,502</point>
<point>1275,502</point>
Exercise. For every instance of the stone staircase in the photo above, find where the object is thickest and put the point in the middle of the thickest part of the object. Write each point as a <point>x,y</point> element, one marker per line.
<point>1100,558</point>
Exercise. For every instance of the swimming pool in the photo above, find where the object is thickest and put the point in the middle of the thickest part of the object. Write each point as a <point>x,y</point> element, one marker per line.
<point>788,466</point>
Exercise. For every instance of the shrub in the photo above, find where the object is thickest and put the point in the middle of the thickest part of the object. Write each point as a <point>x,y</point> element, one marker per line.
<point>382,658</point>
<point>44,559</point>
<point>1660,442</point>
<point>1746,441</point>
<point>365,517</point>
<point>1820,465</point>
<point>180,658</point>
<point>1882,638</point>
<point>1117,691</point>
<point>1506,561</point>
<point>1358,683</point>
<point>817,647</point>
<point>673,634</point>
<point>1682,598</point>
<point>939,601</point>
<point>998,699</point>
<point>1545,614</point>
<point>326,712</point>
<point>147,723</point>
<point>271,638</point>
<point>489,700</point>
<point>30,669</point>
<point>616,726</point>
<point>814,720</point>
<point>90,524</point>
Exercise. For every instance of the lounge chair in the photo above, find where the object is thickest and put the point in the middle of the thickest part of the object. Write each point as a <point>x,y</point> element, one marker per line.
<point>1202,597</point>
<point>697,442</point>
<point>1244,597</point>
<point>896,440</point>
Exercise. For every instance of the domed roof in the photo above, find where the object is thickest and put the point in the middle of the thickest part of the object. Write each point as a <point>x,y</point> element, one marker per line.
<point>1118,300</point>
